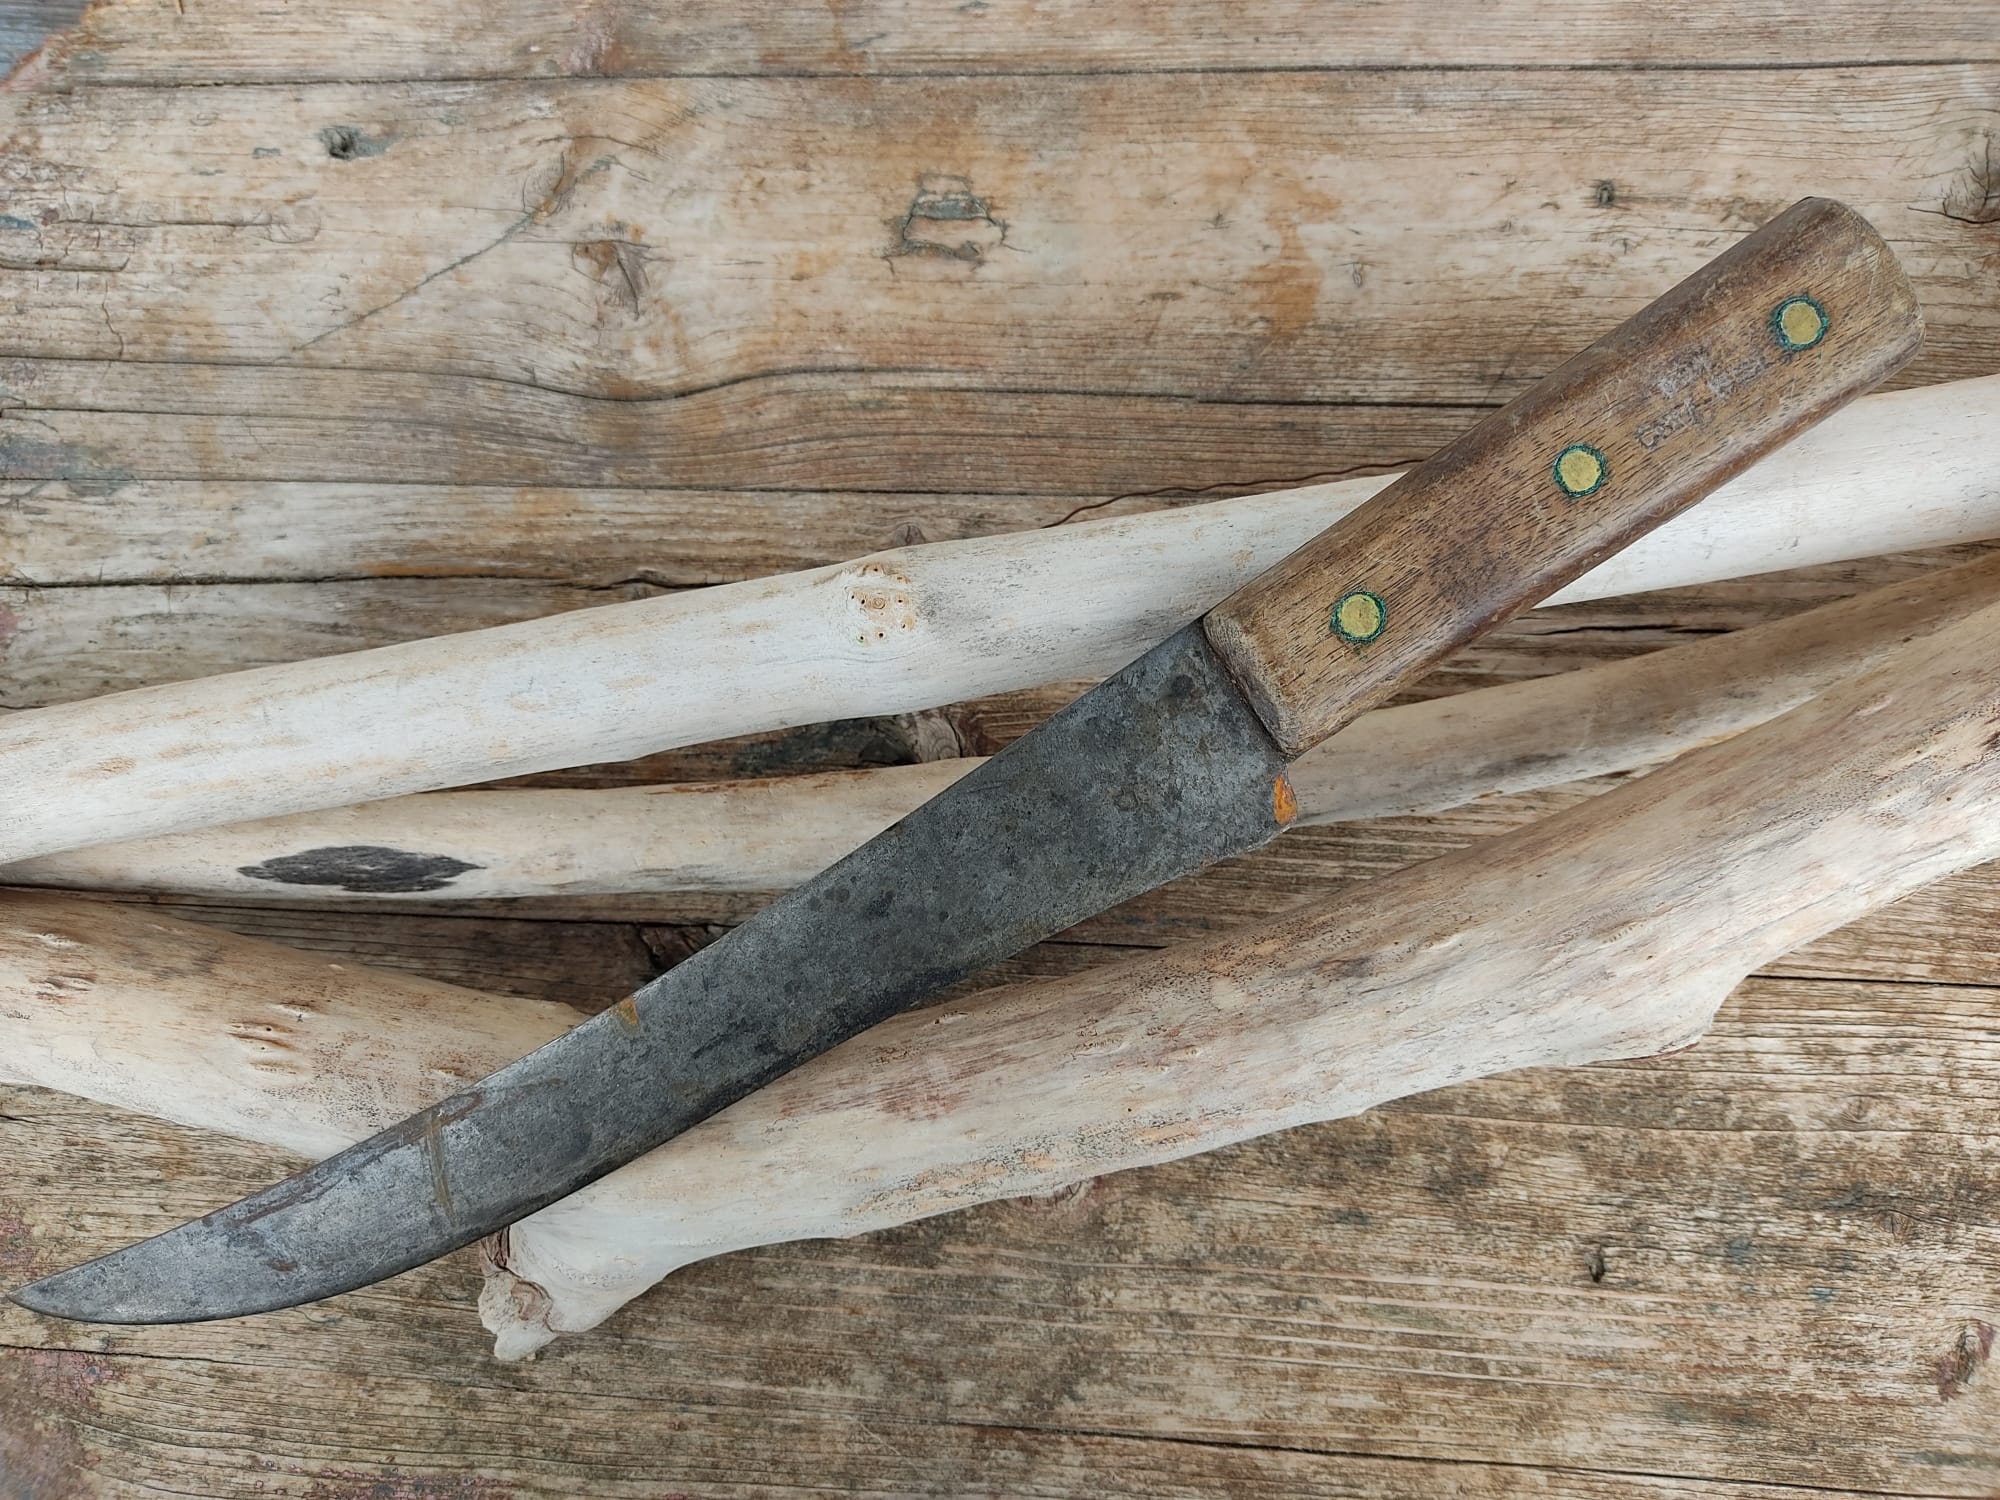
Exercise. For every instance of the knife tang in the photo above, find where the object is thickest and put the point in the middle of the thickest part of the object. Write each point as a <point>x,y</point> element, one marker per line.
<point>1792,322</point>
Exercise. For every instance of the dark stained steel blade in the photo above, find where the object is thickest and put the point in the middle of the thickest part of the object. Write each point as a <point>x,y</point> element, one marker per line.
<point>1156,772</point>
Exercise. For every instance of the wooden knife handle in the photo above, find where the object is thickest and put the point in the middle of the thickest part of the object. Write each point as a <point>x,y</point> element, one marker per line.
<point>1786,326</point>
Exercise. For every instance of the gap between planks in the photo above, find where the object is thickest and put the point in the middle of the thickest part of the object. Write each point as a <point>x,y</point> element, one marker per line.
<point>1221,70</point>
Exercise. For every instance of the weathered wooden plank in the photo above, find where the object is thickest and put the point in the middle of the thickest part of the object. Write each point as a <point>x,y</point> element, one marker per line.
<point>93,449</point>
<point>105,423</point>
<point>67,643</point>
<point>256,40</point>
<point>1374,236</point>
<point>55,531</point>
<point>93,1432</point>
<point>1670,1267</point>
<point>26,24</point>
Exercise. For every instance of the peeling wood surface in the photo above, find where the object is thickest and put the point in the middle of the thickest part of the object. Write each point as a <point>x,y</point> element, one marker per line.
<point>368,345</point>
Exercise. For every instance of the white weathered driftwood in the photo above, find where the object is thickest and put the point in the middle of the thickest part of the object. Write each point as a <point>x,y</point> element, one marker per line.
<point>771,834</point>
<point>897,631</point>
<point>1611,930</point>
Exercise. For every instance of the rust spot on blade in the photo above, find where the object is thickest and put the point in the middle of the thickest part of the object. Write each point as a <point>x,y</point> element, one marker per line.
<point>434,1150</point>
<point>627,1012</point>
<point>1284,801</point>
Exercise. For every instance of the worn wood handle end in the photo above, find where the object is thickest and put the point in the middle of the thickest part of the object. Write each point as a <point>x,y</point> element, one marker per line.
<point>1783,328</point>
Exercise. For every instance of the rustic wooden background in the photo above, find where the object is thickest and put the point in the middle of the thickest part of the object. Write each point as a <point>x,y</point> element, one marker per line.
<point>323,326</point>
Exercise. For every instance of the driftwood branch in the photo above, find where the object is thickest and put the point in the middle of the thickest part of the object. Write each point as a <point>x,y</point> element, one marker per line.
<point>771,834</point>
<point>901,630</point>
<point>1611,930</point>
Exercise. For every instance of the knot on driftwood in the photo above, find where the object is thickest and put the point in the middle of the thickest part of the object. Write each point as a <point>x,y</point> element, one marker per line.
<point>514,1309</point>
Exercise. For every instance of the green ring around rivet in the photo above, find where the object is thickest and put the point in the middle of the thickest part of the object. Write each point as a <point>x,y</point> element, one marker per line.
<point>1579,491</point>
<point>1785,340</point>
<point>1345,630</point>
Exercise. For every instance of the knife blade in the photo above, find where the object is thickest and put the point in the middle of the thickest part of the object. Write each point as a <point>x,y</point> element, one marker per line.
<point>1174,762</point>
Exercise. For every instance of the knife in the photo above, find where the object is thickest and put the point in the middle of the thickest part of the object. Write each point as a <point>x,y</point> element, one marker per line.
<point>1176,761</point>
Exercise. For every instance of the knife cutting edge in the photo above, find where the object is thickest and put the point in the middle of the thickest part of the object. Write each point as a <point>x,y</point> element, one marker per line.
<point>1172,763</point>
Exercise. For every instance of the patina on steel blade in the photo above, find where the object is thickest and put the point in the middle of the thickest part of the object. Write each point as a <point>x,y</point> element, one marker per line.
<point>1156,772</point>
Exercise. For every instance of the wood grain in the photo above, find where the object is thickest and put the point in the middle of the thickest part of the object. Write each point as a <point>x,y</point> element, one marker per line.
<point>1184,236</point>
<point>236,40</point>
<point>191,532</point>
<point>101,424</point>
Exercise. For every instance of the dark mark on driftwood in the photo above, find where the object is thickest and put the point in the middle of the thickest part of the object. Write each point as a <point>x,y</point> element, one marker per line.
<point>367,869</point>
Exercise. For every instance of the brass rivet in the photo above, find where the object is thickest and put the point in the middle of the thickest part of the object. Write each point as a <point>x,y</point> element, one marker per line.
<point>1799,323</point>
<point>1581,470</point>
<point>1359,616</point>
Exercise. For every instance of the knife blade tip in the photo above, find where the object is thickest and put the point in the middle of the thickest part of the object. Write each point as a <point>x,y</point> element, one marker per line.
<point>59,1296</point>
<point>114,1288</point>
